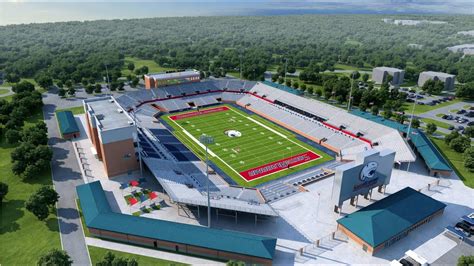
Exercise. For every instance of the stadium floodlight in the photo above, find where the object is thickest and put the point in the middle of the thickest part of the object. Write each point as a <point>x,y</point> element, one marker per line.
<point>207,140</point>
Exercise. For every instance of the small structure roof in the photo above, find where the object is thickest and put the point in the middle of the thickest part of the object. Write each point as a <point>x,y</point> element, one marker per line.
<point>388,217</point>
<point>98,214</point>
<point>67,123</point>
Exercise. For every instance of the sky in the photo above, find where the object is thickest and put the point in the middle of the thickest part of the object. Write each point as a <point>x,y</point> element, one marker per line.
<point>38,11</point>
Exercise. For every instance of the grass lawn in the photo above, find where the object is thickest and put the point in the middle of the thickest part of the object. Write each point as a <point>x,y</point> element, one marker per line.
<point>456,160</point>
<point>3,91</point>
<point>436,122</point>
<point>98,253</point>
<point>260,143</point>
<point>23,237</point>
<point>409,84</point>
<point>153,67</point>
<point>349,67</point>
<point>75,110</point>
<point>419,109</point>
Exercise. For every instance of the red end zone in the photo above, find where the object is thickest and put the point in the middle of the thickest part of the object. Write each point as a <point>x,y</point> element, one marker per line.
<point>198,113</point>
<point>280,165</point>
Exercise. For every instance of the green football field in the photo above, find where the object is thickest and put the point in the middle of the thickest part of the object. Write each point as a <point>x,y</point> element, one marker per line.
<point>250,149</point>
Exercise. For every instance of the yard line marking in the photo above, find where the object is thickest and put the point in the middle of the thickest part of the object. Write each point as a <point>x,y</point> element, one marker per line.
<point>209,150</point>
<point>271,129</point>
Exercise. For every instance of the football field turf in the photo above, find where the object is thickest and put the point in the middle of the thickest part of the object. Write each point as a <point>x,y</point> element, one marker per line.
<point>250,149</point>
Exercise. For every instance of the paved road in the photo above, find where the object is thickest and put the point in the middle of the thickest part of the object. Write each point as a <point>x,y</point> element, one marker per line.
<point>66,176</point>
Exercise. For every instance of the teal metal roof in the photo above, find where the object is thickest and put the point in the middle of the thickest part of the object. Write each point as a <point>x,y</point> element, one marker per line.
<point>67,123</point>
<point>432,157</point>
<point>388,217</point>
<point>98,214</point>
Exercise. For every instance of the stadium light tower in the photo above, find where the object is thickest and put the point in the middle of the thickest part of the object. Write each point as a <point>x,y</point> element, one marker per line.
<point>135,136</point>
<point>207,140</point>
<point>409,127</point>
<point>108,81</point>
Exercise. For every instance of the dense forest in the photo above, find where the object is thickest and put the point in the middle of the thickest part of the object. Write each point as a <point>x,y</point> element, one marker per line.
<point>77,50</point>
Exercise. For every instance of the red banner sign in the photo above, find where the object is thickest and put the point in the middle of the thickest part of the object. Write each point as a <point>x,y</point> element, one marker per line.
<point>280,165</point>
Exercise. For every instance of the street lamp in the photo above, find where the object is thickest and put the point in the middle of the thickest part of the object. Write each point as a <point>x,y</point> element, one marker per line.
<point>207,140</point>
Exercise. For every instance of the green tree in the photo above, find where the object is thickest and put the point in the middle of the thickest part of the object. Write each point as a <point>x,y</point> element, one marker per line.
<point>71,91</point>
<point>355,75</point>
<point>469,131</point>
<point>318,92</point>
<point>374,110</point>
<point>469,159</point>
<point>61,92</point>
<point>68,83</point>
<point>365,77</point>
<point>433,86</point>
<point>23,86</point>
<point>41,201</point>
<point>466,91</point>
<point>431,128</point>
<point>60,84</point>
<point>55,257</point>
<point>387,114</point>
<point>110,259</point>
<point>303,87</point>
<point>448,138</point>
<point>12,136</point>
<point>98,88</point>
<point>466,260</point>
<point>310,90</point>
<point>131,66</point>
<point>296,85</point>
<point>89,89</point>
<point>12,78</point>
<point>36,135</point>
<point>45,81</point>
<point>274,77</point>
<point>85,82</point>
<point>3,191</point>
<point>288,83</point>
<point>135,82</point>
<point>460,144</point>
<point>281,80</point>
<point>415,123</point>
<point>235,263</point>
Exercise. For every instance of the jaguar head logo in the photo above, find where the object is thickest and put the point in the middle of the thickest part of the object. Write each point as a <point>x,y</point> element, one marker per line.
<point>368,172</point>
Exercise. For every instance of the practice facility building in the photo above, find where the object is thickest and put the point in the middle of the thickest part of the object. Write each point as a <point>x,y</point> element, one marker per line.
<point>380,74</point>
<point>171,78</point>
<point>111,132</point>
<point>67,125</point>
<point>386,221</point>
<point>448,79</point>
<point>219,244</point>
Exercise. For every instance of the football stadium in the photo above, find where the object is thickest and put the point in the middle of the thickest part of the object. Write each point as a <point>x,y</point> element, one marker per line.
<point>245,149</point>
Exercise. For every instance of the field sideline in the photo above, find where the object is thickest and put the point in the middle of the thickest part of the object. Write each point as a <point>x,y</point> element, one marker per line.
<point>250,149</point>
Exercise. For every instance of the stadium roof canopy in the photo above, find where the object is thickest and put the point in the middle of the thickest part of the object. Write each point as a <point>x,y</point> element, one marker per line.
<point>388,217</point>
<point>98,214</point>
<point>425,147</point>
<point>67,123</point>
<point>174,75</point>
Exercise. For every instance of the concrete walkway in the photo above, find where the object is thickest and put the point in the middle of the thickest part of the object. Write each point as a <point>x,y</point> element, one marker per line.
<point>149,252</point>
<point>10,92</point>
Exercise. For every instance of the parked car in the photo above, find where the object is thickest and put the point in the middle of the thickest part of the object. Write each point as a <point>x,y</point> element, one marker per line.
<point>465,227</point>
<point>470,123</point>
<point>451,127</point>
<point>410,100</point>
<point>422,93</point>
<point>460,112</point>
<point>470,114</point>
<point>445,116</point>
<point>419,96</point>
<point>460,128</point>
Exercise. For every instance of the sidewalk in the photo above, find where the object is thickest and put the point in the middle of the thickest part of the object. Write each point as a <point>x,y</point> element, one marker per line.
<point>149,252</point>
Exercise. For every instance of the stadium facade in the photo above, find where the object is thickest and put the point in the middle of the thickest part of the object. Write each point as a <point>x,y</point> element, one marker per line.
<point>130,125</point>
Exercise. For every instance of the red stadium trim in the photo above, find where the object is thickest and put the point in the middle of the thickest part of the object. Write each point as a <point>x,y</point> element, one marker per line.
<point>280,165</point>
<point>199,113</point>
